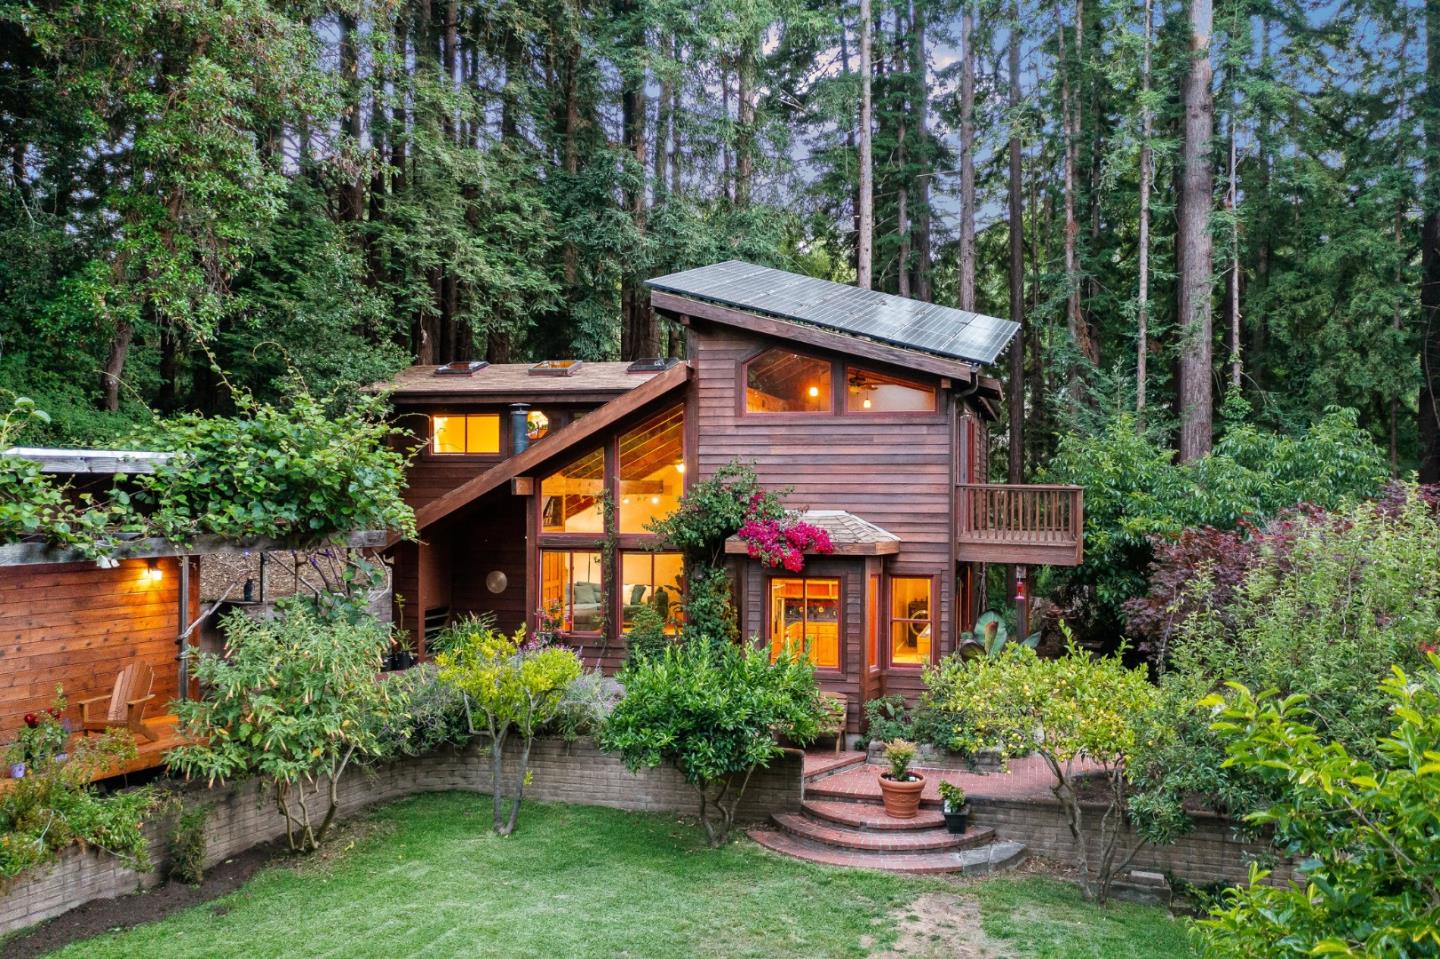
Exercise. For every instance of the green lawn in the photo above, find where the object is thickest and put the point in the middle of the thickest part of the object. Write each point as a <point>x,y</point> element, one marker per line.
<point>427,878</point>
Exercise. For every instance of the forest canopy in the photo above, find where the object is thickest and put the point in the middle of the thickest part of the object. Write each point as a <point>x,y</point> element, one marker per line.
<point>217,193</point>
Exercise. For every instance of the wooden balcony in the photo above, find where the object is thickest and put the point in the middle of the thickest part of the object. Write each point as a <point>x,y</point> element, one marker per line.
<point>1034,525</point>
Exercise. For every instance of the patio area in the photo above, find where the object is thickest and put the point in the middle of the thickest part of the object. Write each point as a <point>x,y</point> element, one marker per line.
<point>848,778</point>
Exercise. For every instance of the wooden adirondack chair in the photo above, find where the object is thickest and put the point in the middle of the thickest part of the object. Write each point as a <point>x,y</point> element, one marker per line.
<point>125,706</point>
<point>838,705</point>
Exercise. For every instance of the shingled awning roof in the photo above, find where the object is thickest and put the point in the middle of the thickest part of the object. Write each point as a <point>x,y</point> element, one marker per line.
<point>899,321</point>
<point>849,534</point>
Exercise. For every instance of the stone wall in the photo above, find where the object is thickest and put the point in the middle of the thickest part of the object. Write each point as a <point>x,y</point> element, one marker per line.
<point>241,817</point>
<point>1211,853</point>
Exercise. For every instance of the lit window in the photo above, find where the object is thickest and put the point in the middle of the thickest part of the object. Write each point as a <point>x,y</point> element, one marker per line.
<point>537,425</point>
<point>910,620</point>
<point>654,580</point>
<point>459,433</point>
<point>571,497</point>
<point>652,470</point>
<point>778,381</point>
<point>805,616</point>
<point>572,589</point>
<point>869,392</point>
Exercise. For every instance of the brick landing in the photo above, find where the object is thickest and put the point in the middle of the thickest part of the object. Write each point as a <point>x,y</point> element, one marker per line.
<point>1028,778</point>
<point>821,763</point>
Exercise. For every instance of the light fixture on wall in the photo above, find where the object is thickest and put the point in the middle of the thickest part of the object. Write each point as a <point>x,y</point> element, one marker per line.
<point>153,572</point>
<point>496,581</point>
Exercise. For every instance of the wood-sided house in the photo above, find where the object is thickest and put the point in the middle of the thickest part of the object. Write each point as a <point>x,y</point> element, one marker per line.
<point>874,409</point>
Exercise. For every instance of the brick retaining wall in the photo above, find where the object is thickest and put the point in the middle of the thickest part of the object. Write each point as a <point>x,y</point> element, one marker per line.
<point>240,818</point>
<point>1212,852</point>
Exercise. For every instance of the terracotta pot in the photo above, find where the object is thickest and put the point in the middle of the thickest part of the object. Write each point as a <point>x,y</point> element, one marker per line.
<point>902,799</point>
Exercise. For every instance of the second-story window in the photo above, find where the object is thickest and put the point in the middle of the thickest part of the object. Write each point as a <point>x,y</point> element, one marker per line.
<point>869,392</point>
<point>652,470</point>
<point>572,497</point>
<point>462,433</point>
<point>778,381</point>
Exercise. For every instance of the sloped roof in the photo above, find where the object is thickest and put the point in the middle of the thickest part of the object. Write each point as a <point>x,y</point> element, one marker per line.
<point>851,535</point>
<point>938,330</point>
<point>511,379</point>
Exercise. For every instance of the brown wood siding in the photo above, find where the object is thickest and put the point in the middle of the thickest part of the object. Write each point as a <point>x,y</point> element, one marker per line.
<point>78,625</point>
<point>491,536</point>
<point>894,470</point>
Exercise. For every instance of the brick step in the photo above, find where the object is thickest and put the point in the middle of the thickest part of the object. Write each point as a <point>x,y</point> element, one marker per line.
<point>869,815</point>
<point>990,857</point>
<point>927,840</point>
<point>818,767</point>
<point>844,789</point>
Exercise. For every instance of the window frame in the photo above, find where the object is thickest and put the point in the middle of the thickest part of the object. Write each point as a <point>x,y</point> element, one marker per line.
<point>890,620</point>
<point>502,435</point>
<point>839,580</point>
<point>570,551</point>
<point>900,380</point>
<point>541,541</point>
<point>620,555</point>
<point>743,393</point>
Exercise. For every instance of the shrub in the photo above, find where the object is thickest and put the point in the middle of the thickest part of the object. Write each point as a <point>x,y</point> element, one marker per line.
<point>295,701</point>
<point>647,632</point>
<point>585,706</point>
<point>1078,705</point>
<point>714,714</point>
<point>1135,493</point>
<point>900,753</point>
<point>187,844</point>
<point>1330,604</point>
<point>55,805</point>
<point>1362,831</point>
<point>886,719</point>
<point>433,715</point>
<point>512,690</point>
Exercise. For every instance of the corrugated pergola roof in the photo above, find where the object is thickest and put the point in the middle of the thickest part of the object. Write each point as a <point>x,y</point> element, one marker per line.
<point>896,320</point>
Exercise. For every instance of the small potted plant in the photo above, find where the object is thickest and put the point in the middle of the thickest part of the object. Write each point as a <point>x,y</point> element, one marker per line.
<point>957,814</point>
<point>41,741</point>
<point>899,787</point>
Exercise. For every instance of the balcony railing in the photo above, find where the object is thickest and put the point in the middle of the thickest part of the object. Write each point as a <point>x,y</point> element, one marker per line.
<point>1029,524</point>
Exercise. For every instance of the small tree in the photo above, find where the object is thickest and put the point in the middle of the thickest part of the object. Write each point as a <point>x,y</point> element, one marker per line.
<point>1078,705</point>
<point>295,702</point>
<point>714,714</point>
<point>1363,833</point>
<point>513,690</point>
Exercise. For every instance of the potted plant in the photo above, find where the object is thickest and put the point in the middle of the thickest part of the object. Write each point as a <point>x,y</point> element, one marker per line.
<point>41,740</point>
<point>957,814</point>
<point>899,787</point>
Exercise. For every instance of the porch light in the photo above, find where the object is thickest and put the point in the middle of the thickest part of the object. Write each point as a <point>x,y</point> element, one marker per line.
<point>153,572</point>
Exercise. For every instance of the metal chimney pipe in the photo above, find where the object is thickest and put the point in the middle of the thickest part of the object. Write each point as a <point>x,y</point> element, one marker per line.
<point>519,428</point>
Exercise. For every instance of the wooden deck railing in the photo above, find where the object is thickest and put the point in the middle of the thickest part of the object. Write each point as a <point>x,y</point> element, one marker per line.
<point>1000,523</point>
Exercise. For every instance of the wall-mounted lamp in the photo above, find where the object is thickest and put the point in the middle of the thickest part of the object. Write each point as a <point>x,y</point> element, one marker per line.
<point>496,581</point>
<point>153,572</point>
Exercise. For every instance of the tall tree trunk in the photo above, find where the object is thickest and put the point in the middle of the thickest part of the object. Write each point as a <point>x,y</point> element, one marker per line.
<point>352,193</point>
<point>1075,323</point>
<point>676,158</point>
<point>1016,465</point>
<point>920,287</point>
<point>1232,204</point>
<point>1147,179</point>
<point>638,318</point>
<point>902,163</point>
<point>1429,420</point>
<point>1194,245</point>
<point>967,159</point>
<point>745,121</point>
<point>663,115</point>
<point>866,213</point>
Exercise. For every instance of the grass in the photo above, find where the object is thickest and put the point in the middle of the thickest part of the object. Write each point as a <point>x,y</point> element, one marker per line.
<point>427,878</point>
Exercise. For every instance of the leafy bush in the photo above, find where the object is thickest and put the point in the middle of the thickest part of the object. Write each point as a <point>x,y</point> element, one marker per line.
<point>713,509</point>
<point>1077,705</point>
<point>1362,831</point>
<point>1330,603</point>
<point>647,635</point>
<point>1135,493</point>
<point>55,805</point>
<point>886,719</point>
<point>433,715</point>
<point>302,472</point>
<point>294,701</point>
<point>585,706</point>
<point>513,690</point>
<point>714,714</point>
<point>187,844</point>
